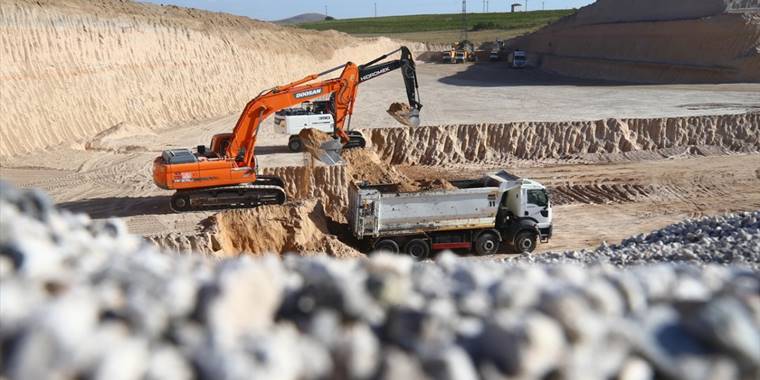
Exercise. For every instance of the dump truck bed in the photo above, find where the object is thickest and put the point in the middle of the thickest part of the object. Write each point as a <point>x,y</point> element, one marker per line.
<point>380,210</point>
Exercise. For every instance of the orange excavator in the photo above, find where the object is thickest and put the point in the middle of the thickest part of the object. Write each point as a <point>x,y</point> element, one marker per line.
<point>224,175</point>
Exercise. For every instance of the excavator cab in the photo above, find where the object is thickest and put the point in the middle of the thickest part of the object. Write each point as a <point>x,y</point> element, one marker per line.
<point>220,143</point>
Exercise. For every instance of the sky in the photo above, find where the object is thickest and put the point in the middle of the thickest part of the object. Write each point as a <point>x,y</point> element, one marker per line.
<point>280,9</point>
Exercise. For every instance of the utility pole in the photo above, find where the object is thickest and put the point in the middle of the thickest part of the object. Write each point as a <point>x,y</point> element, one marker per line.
<point>326,10</point>
<point>486,6</point>
<point>542,6</point>
<point>375,9</point>
<point>464,20</point>
<point>526,5</point>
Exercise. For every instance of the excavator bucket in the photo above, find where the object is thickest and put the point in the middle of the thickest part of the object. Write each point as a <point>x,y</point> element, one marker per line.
<point>404,114</point>
<point>413,118</point>
<point>329,152</point>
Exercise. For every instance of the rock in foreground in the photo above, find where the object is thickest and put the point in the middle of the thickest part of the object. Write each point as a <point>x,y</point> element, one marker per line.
<point>80,298</point>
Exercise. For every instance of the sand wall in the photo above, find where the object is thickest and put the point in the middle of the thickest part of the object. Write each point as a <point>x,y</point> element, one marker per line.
<point>657,42</point>
<point>73,68</point>
<point>328,184</point>
<point>497,143</point>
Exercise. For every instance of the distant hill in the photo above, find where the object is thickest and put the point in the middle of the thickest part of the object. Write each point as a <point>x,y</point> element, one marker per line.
<point>302,18</point>
<point>444,28</point>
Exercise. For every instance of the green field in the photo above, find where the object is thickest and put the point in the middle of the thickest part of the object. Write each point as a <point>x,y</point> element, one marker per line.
<point>420,24</point>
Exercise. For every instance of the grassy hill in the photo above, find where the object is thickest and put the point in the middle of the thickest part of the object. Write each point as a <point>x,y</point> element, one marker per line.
<point>443,27</point>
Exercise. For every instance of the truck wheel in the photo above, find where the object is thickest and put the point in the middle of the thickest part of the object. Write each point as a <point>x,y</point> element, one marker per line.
<point>387,245</point>
<point>525,242</point>
<point>418,248</point>
<point>180,202</point>
<point>295,145</point>
<point>487,244</point>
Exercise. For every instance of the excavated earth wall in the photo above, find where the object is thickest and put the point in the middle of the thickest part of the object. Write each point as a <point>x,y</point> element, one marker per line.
<point>73,68</point>
<point>327,184</point>
<point>593,140</point>
<point>702,41</point>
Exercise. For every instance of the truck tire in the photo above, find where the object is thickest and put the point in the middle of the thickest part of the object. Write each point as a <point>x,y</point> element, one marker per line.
<point>487,244</point>
<point>525,242</point>
<point>386,245</point>
<point>295,145</point>
<point>418,248</point>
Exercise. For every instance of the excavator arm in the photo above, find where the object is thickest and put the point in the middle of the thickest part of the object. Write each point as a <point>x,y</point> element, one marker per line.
<point>344,89</point>
<point>373,69</point>
<point>243,140</point>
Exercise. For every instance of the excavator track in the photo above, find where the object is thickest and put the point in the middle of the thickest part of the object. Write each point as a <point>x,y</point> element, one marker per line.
<point>265,191</point>
<point>355,140</point>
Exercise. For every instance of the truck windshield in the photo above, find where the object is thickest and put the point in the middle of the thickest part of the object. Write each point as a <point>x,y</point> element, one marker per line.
<point>538,198</point>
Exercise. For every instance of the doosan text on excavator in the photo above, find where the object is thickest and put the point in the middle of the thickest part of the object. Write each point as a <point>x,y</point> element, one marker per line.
<point>224,174</point>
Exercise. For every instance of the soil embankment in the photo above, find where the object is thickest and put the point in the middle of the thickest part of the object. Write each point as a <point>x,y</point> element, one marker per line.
<point>73,68</point>
<point>600,140</point>
<point>654,41</point>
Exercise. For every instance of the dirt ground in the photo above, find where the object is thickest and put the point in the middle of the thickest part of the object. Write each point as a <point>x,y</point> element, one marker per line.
<point>108,181</point>
<point>609,202</point>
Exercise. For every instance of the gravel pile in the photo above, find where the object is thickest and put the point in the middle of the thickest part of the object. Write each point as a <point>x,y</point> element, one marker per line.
<point>82,298</point>
<point>732,239</point>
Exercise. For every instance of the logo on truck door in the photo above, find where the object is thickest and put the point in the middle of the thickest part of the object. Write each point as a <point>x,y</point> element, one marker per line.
<point>304,94</point>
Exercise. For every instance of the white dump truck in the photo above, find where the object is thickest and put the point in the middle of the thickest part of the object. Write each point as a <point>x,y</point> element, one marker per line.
<point>482,215</point>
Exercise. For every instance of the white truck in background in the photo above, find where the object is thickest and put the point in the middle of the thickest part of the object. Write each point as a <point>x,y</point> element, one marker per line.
<point>518,59</point>
<point>481,215</point>
<point>291,121</point>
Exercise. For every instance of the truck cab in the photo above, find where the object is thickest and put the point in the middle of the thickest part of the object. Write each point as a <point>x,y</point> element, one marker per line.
<point>525,215</point>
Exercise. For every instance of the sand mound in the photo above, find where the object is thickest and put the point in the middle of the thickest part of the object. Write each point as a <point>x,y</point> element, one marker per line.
<point>591,140</point>
<point>312,140</point>
<point>300,227</point>
<point>691,41</point>
<point>92,64</point>
<point>296,227</point>
<point>366,166</point>
<point>121,137</point>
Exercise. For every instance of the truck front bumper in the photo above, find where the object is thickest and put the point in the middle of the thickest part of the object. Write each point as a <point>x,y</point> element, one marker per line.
<point>545,233</point>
